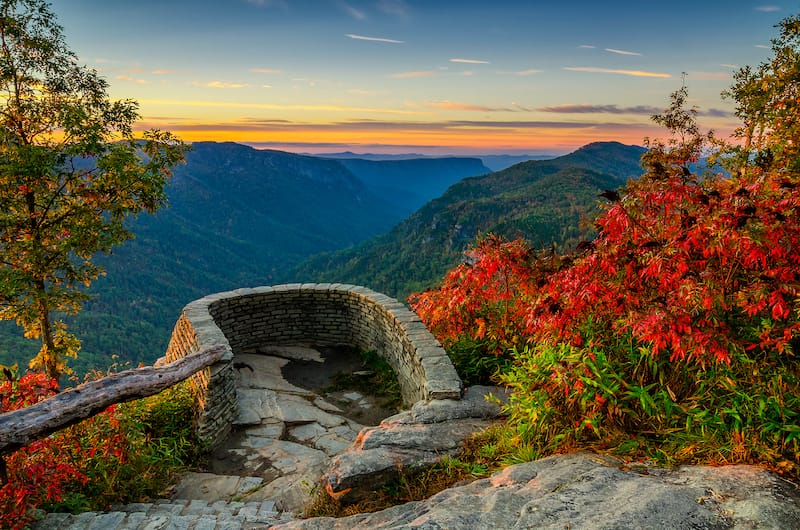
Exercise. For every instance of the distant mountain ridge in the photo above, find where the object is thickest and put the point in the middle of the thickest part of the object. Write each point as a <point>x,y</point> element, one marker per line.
<point>410,183</point>
<point>493,162</point>
<point>543,201</point>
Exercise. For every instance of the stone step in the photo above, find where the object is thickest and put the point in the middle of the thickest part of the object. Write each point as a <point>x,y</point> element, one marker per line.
<point>170,515</point>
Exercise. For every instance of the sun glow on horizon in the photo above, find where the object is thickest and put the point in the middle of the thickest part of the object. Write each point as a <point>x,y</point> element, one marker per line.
<point>442,136</point>
<point>436,140</point>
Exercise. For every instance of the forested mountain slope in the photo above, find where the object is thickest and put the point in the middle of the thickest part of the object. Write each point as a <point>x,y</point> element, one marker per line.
<point>550,201</point>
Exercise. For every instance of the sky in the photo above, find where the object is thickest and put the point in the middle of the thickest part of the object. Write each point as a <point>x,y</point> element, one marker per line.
<point>419,76</point>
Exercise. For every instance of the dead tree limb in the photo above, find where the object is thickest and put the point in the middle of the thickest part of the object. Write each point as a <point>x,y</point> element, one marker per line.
<point>21,427</point>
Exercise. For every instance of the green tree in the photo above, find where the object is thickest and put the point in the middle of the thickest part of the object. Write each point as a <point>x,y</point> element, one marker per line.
<point>71,171</point>
<point>768,103</point>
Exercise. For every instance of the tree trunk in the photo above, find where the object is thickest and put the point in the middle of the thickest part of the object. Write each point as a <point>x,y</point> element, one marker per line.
<point>48,351</point>
<point>21,427</point>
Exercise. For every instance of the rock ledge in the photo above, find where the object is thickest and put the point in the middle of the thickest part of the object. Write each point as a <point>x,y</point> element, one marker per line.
<point>589,491</point>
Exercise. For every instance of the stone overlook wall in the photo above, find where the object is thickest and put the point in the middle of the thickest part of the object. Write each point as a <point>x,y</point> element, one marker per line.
<point>246,320</point>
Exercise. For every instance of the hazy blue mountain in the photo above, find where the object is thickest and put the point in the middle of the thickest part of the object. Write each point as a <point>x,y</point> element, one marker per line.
<point>411,183</point>
<point>492,162</point>
<point>543,201</point>
<point>371,156</point>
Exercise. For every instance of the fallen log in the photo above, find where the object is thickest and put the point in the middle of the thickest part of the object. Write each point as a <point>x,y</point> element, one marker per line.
<point>23,426</point>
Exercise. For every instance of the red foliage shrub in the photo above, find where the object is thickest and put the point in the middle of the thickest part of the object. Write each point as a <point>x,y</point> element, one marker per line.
<point>699,267</point>
<point>481,297</point>
<point>36,474</point>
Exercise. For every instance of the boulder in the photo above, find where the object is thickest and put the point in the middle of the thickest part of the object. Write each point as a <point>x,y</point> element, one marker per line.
<point>408,442</point>
<point>588,491</point>
<point>483,402</point>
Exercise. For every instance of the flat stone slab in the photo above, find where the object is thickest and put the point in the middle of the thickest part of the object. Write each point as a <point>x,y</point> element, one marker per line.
<point>212,487</point>
<point>264,371</point>
<point>332,444</point>
<point>293,492</point>
<point>269,428</point>
<point>295,409</point>
<point>289,457</point>
<point>256,406</point>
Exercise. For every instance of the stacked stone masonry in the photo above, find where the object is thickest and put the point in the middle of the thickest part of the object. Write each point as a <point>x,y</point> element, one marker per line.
<point>247,320</point>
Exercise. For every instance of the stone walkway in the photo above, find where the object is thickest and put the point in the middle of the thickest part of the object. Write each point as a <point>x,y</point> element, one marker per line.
<point>282,443</point>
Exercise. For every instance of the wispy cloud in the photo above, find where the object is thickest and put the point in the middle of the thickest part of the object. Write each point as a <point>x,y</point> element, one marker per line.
<point>634,73</point>
<point>621,52</point>
<point>715,113</point>
<point>374,39</point>
<point>587,46</point>
<point>388,125</point>
<point>328,147</point>
<point>600,109</point>
<point>353,12</point>
<point>469,61</point>
<point>531,71</point>
<point>266,71</point>
<point>269,3</point>
<point>221,84</point>
<point>733,66</point>
<point>645,110</point>
<point>396,8</point>
<point>244,124</point>
<point>481,124</point>
<point>406,75</point>
<point>162,71</point>
<point>130,79</point>
<point>272,106</point>
<point>455,105</point>
<point>762,46</point>
<point>767,9</point>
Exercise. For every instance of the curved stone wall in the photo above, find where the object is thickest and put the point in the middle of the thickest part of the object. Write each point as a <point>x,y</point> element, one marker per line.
<point>246,320</point>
